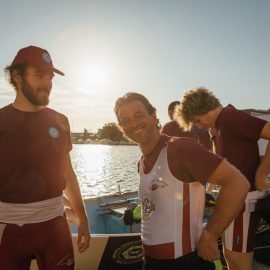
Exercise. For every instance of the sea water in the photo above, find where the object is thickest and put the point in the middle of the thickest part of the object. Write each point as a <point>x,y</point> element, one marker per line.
<point>104,169</point>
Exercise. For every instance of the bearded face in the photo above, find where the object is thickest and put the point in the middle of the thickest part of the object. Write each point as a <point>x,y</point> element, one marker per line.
<point>36,86</point>
<point>38,96</point>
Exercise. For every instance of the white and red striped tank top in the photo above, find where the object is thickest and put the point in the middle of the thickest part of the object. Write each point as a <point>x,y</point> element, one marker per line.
<point>172,211</point>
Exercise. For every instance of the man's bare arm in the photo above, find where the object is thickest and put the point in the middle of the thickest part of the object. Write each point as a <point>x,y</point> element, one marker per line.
<point>73,193</point>
<point>233,190</point>
<point>262,182</point>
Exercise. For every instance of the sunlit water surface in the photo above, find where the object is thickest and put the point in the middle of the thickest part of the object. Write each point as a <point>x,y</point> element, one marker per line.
<point>102,169</point>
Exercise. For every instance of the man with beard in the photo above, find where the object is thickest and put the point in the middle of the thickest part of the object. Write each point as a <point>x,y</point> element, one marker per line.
<point>173,172</point>
<point>35,169</point>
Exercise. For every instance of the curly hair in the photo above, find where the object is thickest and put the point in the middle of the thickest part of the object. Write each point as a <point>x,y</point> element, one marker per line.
<point>195,102</point>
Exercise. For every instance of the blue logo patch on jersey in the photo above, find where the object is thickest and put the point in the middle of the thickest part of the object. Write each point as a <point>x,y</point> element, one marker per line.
<point>53,132</point>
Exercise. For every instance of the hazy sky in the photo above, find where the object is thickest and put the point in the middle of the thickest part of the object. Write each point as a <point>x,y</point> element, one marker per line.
<point>158,48</point>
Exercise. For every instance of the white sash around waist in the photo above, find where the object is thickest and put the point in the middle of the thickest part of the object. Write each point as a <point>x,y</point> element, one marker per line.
<point>27,213</point>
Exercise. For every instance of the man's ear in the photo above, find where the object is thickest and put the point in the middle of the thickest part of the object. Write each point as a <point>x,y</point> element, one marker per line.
<point>16,76</point>
<point>154,115</point>
<point>171,113</point>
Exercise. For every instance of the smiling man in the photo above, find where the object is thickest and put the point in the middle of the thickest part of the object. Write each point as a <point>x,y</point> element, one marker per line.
<point>172,211</point>
<point>35,169</point>
<point>237,135</point>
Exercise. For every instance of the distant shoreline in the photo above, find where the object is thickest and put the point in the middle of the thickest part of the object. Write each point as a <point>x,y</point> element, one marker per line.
<point>105,142</point>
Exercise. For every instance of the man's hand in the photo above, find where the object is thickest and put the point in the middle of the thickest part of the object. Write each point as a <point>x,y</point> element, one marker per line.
<point>262,184</point>
<point>262,180</point>
<point>207,247</point>
<point>83,236</point>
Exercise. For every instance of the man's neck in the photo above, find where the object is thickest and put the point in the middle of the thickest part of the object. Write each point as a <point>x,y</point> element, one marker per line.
<point>23,104</point>
<point>215,114</point>
<point>148,147</point>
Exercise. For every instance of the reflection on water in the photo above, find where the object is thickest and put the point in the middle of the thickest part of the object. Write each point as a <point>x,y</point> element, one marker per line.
<point>101,168</point>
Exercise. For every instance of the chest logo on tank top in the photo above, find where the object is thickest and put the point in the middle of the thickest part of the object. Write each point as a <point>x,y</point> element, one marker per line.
<point>53,132</point>
<point>148,207</point>
<point>157,183</point>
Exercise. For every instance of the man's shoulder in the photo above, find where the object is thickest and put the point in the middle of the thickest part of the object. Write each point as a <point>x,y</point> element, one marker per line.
<point>60,118</point>
<point>50,111</point>
<point>228,114</point>
<point>230,109</point>
<point>5,108</point>
<point>234,115</point>
<point>5,112</point>
<point>181,142</point>
<point>174,129</point>
<point>167,126</point>
<point>169,123</point>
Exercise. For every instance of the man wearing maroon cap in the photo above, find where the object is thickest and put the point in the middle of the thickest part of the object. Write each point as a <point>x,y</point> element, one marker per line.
<point>35,169</point>
<point>237,135</point>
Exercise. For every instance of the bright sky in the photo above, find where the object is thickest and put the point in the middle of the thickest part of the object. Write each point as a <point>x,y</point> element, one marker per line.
<point>159,48</point>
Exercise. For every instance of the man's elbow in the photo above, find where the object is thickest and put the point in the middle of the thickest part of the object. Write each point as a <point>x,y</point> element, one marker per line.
<point>238,182</point>
<point>244,184</point>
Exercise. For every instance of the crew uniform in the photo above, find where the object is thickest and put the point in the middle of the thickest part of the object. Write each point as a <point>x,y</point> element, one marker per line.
<point>32,150</point>
<point>237,141</point>
<point>172,179</point>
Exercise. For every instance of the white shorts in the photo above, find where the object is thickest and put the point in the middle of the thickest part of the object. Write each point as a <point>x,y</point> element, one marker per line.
<point>240,234</point>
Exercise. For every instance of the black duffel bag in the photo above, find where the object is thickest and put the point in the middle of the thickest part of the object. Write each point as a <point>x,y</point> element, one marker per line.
<point>265,204</point>
<point>262,244</point>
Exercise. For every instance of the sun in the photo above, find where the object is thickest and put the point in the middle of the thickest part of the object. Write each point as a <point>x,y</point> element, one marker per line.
<point>95,76</point>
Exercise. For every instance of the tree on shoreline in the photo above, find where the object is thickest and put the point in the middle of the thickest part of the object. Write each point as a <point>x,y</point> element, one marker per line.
<point>110,131</point>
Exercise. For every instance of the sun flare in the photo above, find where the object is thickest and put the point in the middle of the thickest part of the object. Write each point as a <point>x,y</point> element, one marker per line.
<point>96,76</point>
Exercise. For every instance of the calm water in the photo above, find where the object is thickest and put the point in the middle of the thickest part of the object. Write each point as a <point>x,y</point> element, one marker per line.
<point>101,169</point>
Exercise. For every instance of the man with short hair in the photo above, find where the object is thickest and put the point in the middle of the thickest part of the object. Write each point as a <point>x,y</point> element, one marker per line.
<point>35,169</point>
<point>171,108</point>
<point>237,135</point>
<point>173,172</point>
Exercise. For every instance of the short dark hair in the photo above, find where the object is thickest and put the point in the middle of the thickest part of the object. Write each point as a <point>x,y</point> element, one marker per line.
<point>172,105</point>
<point>132,96</point>
<point>20,68</point>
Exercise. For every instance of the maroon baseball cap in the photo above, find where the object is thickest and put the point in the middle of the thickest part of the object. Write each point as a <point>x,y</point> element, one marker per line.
<point>36,57</point>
